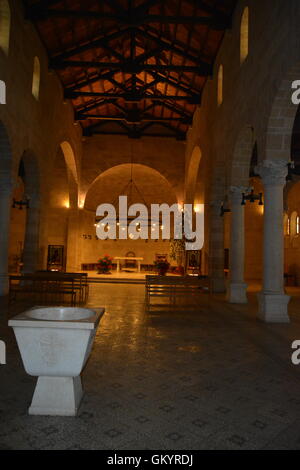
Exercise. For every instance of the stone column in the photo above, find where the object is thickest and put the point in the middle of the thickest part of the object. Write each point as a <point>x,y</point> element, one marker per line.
<point>236,289</point>
<point>273,303</point>
<point>72,241</point>
<point>216,249</point>
<point>6,189</point>
<point>31,241</point>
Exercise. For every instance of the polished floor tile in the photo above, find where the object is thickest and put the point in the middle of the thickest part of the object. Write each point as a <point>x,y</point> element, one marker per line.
<point>215,378</point>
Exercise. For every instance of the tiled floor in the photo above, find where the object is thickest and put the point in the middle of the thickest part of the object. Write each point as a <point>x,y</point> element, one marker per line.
<point>211,379</point>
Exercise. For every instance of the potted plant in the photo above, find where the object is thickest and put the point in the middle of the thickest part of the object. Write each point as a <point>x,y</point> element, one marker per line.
<point>105,265</point>
<point>162,266</point>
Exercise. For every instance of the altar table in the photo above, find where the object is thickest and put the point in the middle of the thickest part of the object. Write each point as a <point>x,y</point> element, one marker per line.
<point>128,258</point>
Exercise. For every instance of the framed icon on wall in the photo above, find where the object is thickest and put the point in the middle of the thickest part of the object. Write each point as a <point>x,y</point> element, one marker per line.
<point>193,262</point>
<point>55,258</point>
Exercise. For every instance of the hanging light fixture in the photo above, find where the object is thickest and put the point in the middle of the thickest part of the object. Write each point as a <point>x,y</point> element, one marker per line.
<point>128,190</point>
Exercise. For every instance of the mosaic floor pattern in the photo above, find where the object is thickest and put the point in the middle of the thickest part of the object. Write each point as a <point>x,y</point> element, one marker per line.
<point>212,379</point>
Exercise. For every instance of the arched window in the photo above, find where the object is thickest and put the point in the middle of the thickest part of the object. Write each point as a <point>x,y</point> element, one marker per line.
<point>2,92</point>
<point>293,224</point>
<point>4,25</point>
<point>244,37</point>
<point>220,85</point>
<point>36,78</point>
<point>287,225</point>
<point>297,225</point>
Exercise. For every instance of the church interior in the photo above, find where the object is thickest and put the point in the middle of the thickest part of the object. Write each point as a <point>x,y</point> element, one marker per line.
<point>167,102</point>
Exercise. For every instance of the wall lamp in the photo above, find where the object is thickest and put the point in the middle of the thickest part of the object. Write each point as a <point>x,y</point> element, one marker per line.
<point>19,204</point>
<point>224,210</point>
<point>251,197</point>
<point>292,170</point>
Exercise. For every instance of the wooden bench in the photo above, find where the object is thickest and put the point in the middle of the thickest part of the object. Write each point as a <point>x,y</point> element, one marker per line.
<point>179,292</point>
<point>81,281</point>
<point>46,286</point>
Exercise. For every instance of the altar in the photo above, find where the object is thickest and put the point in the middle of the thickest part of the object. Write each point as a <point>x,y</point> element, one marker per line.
<point>128,258</point>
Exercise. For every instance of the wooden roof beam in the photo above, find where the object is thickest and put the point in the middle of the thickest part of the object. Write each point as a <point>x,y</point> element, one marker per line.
<point>132,67</point>
<point>133,96</point>
<point>132,117</point>
<point>135,19</point>
<point>99,42</point>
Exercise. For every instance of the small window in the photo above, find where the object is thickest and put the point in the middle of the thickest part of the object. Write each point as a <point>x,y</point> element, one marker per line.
<point>297,225</point>
<point>36,78</point>
<point>293,224</point>
<point>220,85</point>
<point>4,25</point>
<point>2,92</point>
<point>244,39</point>
<point>288,230</point>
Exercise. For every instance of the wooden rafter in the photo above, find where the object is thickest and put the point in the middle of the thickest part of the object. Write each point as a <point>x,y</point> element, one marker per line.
<point>135,68</point>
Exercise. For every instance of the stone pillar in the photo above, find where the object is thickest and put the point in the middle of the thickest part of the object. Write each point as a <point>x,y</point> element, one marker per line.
<point>31,241</point>
<point>72,241</point>
<point>273,303</point>
<point>6,188</point>
<point>43,239</point>
<point>216,249</point>
<point>236,289</point>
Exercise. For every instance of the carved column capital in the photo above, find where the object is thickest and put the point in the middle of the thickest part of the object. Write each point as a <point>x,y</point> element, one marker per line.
<point>235,193</point>
<point>273,172</point>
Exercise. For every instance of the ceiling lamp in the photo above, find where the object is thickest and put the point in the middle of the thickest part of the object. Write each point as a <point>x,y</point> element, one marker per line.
<point>128,190</point>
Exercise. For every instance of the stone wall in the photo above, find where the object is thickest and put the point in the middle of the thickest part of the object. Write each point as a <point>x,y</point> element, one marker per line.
<point>256,104</point>
<point>256,108</point>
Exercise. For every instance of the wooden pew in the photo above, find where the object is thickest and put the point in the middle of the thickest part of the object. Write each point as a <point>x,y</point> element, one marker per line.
<point>53,285</point>
<point>179,292</point>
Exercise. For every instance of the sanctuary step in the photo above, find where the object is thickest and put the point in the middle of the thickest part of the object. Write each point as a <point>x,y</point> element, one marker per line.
<point>115,280</point>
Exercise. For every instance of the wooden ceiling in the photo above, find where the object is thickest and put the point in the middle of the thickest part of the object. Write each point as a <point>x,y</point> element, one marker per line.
<point>133,67</point>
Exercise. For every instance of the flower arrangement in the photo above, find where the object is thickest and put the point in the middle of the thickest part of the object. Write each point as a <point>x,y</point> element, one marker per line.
<point>162,266</point>
<point>105,264</point>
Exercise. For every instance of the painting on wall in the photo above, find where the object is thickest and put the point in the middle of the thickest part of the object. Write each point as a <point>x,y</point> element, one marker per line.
<point>55,258</point>
<point>193,262</point>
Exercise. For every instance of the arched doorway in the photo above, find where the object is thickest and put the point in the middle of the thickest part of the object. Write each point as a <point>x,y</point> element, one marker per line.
<point>151,188</point>
<point>62,216</point>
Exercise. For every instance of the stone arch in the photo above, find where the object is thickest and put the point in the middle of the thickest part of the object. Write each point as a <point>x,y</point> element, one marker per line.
<point>104,152</point>
<point>220,85</point>
<point>5,20</point>
<point>128,165</point>
<point>71,171</point>
<point>244,35</point>
<point>70,159</point>
<point>242,156</point>
<point>282,118</point>
<point>192,175</point>
<point>36,78</point>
